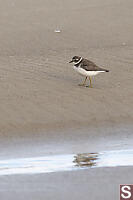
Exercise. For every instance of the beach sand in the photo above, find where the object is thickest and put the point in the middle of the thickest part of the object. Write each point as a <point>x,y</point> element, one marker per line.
<point>43,110</point>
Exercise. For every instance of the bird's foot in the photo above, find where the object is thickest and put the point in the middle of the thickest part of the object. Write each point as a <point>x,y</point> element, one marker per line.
<point>83,85</point>
<point>89,86</point>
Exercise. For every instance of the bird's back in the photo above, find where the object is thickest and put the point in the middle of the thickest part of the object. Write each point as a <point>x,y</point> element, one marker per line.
<point>90,66</point>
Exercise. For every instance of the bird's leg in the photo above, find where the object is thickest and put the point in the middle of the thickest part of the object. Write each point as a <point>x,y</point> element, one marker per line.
<point>90,82</point>
<point>83,84</point>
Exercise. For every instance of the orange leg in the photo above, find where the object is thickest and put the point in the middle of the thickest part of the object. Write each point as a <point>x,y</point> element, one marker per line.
<point>90,82</point>
<point>83,84</point>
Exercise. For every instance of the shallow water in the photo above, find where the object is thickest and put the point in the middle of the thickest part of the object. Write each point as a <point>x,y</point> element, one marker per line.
<point>68,162</point>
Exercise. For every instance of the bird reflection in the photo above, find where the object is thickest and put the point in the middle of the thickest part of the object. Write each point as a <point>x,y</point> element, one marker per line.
<point>86,159</point>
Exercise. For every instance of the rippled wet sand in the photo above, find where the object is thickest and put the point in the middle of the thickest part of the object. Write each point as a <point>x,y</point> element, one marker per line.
<point>39,89</point>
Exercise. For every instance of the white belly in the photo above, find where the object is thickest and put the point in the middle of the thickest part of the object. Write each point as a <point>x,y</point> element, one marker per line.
<point>83,72</point>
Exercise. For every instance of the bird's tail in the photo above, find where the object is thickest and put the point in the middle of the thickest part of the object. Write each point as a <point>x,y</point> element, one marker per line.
<point>106,70</point>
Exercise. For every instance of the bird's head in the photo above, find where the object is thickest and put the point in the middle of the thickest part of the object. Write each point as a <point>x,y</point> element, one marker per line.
<point>76,59</point>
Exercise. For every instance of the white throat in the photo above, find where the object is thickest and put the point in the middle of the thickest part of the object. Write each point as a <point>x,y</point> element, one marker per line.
<point>79,61</point>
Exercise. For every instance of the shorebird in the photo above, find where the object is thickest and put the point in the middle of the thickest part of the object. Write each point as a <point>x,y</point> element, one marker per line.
<point>86,68</point>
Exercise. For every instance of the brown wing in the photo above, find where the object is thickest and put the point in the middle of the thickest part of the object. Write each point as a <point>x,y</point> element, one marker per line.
<point>90,66</point>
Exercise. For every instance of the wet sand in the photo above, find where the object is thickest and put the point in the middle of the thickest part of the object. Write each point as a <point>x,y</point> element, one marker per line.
<point>43,111</point>
<point>94,184</point>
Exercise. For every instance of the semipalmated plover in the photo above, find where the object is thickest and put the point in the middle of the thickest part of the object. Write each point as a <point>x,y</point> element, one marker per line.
<point>86,68</point>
